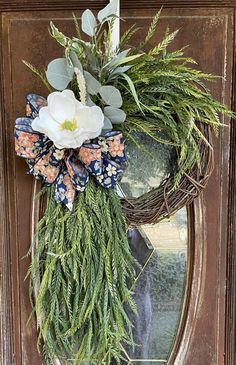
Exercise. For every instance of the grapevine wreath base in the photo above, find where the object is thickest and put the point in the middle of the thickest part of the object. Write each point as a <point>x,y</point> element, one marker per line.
<point>167,199</point>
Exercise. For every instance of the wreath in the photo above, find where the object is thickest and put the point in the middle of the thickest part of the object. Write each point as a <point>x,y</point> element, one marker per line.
<point>105,99</point>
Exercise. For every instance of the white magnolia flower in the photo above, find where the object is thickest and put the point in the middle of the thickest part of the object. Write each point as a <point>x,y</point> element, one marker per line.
<point>67,122</point>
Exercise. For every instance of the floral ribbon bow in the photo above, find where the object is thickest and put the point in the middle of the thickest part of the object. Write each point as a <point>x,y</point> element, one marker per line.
<point>68,169</point>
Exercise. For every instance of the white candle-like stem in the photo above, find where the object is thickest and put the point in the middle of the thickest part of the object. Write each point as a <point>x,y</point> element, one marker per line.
<point>115,37</point>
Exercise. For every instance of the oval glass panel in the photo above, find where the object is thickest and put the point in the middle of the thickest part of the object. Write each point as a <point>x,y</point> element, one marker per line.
<point>161,250</point>
<point>149,163</point>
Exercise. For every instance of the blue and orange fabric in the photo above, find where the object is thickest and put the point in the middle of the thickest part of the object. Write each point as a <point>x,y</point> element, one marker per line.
<point>68,169</point>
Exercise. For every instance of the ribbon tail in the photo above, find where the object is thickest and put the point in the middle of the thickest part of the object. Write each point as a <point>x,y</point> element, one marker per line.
<point>64,190</point>
<point>78,174</point>
<point>111,174</point>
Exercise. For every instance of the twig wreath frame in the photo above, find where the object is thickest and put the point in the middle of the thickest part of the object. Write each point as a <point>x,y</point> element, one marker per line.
<point>166,200</point>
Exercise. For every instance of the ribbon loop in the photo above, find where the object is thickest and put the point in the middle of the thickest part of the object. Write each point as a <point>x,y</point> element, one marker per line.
<point>91,156</point>
<point>104,158</point>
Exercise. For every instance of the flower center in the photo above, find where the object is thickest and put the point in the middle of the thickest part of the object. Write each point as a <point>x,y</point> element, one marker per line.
<point>69,125</point>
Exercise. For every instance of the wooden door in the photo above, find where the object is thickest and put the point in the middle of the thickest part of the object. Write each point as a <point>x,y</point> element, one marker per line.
<point>206,334</point>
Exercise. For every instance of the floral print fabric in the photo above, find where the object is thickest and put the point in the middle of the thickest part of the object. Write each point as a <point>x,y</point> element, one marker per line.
<point>69,169</point>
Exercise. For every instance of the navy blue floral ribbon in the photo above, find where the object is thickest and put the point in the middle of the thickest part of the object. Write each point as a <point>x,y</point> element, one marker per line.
<point>68,169</point>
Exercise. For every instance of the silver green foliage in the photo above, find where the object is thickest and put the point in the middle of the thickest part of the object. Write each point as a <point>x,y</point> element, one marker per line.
<point>92,84</point>
<point>59,73</point>
<point>111,96</point>
<point>107,123</point>
<point>116,115</point>
<point>73,58</point>
<point>88,22</point>
<point>109,11</point>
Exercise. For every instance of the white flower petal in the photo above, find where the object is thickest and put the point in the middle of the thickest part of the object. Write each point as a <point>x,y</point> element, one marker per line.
<point>45,124</point>
<point>61,107</point>
<point>70,95</point>
<point>68,139</point>
<point>91,119</point>
<point>97,116</point>
<point>82,137</point>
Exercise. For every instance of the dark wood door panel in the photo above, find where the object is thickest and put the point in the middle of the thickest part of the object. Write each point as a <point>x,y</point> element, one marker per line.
<point>209,32</point>
<point>25,37</point>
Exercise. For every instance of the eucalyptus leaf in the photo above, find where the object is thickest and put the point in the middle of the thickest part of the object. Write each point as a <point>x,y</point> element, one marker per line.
<point>120,70</point>
<point>89,101</point>
<point>108,11</point>
<point>59,73</point>
<point>107,124</point>
<point>118,57</point>
<point>89,22</point>
<point>126,59</point>
<point>75,61</point>
<point>111,95</point>
<point>115,115</point>
<point>92,84</point>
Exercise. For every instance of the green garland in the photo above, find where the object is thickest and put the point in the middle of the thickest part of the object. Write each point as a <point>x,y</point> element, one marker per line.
<point>83,262</point>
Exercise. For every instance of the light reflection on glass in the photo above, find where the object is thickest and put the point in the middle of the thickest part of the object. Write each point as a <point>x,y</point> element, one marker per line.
<point>161,249</point>
<point>149,162</point>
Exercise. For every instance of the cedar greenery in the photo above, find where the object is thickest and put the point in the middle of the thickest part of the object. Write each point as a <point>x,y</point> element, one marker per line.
<point>82,261</point>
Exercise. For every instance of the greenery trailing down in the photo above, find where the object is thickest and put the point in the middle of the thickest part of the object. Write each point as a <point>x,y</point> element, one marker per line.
<point>83,263</point>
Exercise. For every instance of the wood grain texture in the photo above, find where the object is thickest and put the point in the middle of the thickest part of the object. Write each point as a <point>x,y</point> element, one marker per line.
<point>6,343</point>
<point>230,339</point>
<point>17,5</point>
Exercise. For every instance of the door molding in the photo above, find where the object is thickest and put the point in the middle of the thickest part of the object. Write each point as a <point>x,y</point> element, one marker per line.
<point>9,341</point>
<point>230,320</point>
<point>19,5</point>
